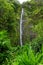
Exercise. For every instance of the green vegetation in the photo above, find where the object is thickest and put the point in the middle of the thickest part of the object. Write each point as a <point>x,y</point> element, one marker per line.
<point>11,53</point>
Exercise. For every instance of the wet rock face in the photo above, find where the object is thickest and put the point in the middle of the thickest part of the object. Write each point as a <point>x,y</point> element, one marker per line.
<point>28,34</point>
<point>27,25</point>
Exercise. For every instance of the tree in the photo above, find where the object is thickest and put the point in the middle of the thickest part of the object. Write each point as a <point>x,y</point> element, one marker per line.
<point>9,19</point>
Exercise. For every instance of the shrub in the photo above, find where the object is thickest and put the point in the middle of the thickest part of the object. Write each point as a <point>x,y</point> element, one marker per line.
<point>27,57</point>
<point>5,46</point>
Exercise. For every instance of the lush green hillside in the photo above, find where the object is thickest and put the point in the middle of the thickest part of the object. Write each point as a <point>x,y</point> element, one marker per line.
<point>11,53</point>
<point>9,19</point>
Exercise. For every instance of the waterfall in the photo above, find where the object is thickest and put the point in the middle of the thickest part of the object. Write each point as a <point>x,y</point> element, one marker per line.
<point>21,31</point>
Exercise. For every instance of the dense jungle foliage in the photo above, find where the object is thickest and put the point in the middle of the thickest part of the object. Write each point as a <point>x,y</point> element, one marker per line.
<point>11,53</point>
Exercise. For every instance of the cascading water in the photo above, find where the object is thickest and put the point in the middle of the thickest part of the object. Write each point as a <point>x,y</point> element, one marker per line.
<point>21,31</point>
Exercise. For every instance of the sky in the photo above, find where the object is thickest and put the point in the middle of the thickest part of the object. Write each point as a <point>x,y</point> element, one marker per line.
<point>21,1</point>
